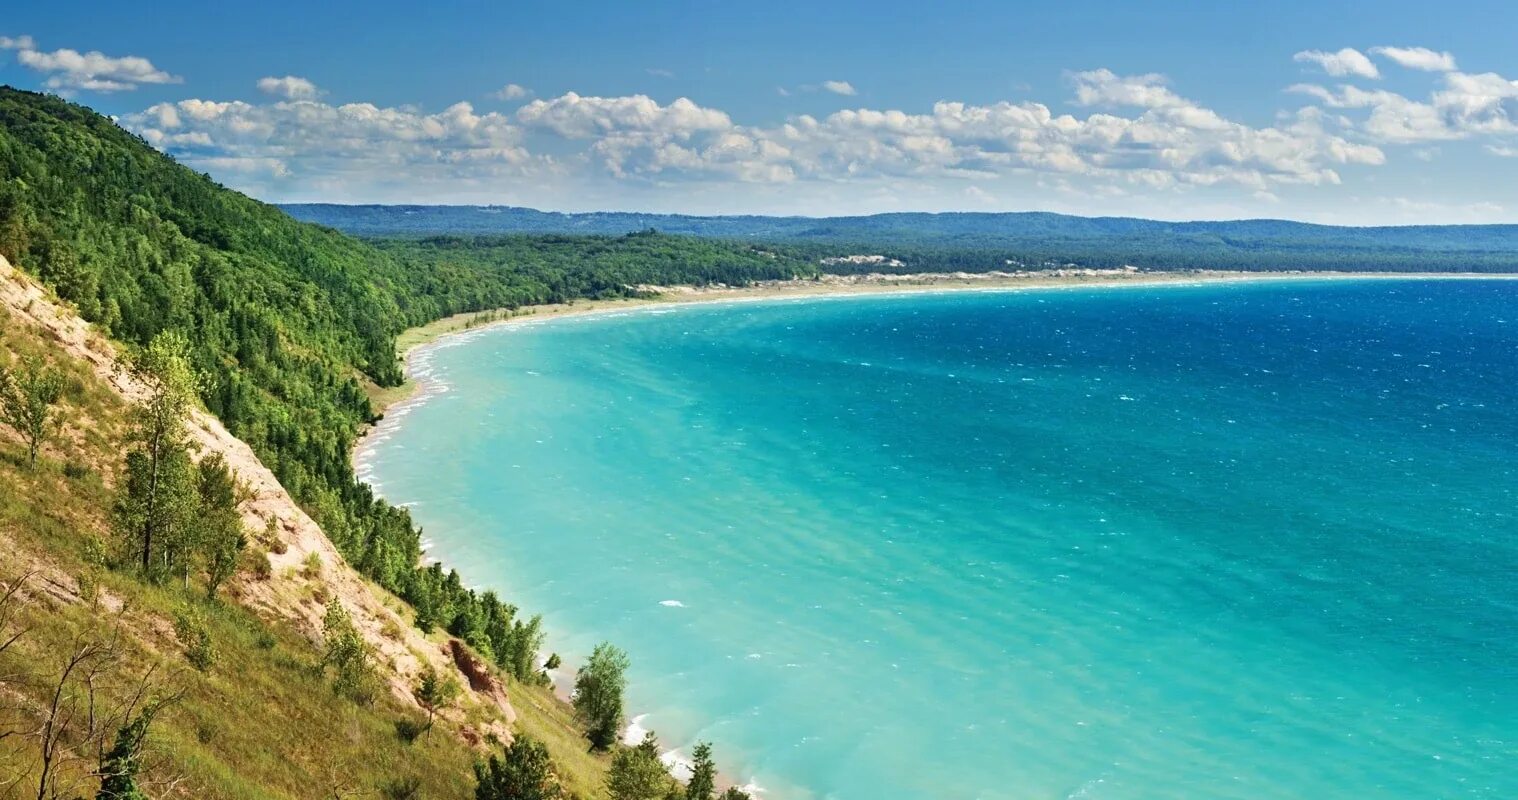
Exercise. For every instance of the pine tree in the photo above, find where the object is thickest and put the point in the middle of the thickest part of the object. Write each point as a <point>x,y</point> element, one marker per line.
<point>703,774</point>
<point>435,692</point>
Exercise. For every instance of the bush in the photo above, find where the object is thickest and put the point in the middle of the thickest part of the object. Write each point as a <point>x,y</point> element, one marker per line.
<point>409,729</point>
<point>260,565</point>
<point>74,470</point>
<point>409,788</point>
<point>190,627</point>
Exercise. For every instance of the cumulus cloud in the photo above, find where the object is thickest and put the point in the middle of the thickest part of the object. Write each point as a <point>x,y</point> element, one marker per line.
<point>352,143</point>
<point>289,87</point>
<point>1348,62</point>
<point>1464,106</point>
<point>577,117</point>
<point>511,91</point>
<point>1140,133</point>
<point>69,70</point>
<point>1418,58</point>
<point>839,87</point>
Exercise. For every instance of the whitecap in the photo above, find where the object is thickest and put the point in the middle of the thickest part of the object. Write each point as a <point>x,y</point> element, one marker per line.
<point>635,730</point>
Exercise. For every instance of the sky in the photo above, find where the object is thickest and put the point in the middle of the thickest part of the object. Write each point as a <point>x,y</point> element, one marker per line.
<point>1347,113</point>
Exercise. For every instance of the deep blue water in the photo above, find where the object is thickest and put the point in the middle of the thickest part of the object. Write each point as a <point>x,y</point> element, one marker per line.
<point>1230,541</point>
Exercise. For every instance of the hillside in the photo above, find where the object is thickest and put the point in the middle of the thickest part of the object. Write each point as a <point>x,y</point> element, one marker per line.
<point>988,241</point>
<point>137,276</point>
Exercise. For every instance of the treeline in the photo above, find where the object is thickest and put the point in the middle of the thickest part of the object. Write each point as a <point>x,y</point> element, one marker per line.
<point>286,320</point>
<point>979,242</point>
<point>275,326</point>
<point>557,269</point>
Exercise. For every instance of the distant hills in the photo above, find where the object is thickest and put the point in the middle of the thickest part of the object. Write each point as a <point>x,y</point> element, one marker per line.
<point>982,241</point>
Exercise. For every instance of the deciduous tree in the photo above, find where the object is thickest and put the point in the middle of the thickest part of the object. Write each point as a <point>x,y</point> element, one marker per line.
<point>598,694</point>
<point>29,398</point>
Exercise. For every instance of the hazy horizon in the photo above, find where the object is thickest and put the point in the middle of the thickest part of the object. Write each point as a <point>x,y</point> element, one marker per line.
<point>1312,112</point>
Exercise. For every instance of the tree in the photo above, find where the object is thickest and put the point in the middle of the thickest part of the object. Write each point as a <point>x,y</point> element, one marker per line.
<point>703,774</point>
<point>220,538</point>
<point>598,694</point>
<point>435,692</point>
<point>523,772</point>
<point>158,501</point>
<point>734,793</point>
<point>347,654</point>
<point>28,400</point>
<point>119,768</point>
<point>637,773</point>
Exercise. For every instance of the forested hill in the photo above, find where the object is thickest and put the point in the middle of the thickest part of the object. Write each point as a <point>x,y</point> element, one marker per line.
<point>289,320</point>
<point>989,241</point>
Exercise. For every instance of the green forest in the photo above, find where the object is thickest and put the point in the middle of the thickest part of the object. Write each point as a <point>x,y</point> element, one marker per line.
<point>288,321</point>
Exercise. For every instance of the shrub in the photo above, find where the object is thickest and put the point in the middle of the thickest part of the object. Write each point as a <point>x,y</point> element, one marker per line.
<point>190,627</point>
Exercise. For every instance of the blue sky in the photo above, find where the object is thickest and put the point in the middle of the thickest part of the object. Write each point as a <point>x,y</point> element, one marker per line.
<point>1350,113</point>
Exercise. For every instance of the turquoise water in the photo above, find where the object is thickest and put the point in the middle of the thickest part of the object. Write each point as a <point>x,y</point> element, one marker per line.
<point>1246,541</point>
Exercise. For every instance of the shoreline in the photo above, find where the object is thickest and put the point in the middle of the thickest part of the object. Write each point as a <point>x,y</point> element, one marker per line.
<point>415,343</point>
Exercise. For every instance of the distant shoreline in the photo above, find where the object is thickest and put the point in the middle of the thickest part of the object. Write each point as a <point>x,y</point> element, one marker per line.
<point>414,340</point>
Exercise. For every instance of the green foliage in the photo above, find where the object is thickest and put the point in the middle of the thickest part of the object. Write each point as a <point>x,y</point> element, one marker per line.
<point>220,539</point>
<point>523,772</point>
<point>533,270</point>
<point>194,637</point>
<point>155,514</point>
<point>734,793</point>
<point>122,762</point>
<point>703,774</point>
<point>598,694</point>
<point>436,692</point>
<point>28,402</point>
<point>347,654</point>
<point>407,788</point>
<point>638,774</point>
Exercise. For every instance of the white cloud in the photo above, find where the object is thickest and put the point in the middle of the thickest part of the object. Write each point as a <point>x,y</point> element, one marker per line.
<point>289,87</point>
<point>1418,58</point>
<point>577,117</point>
<point>351,145</point>
<point>511,91</point>
<point>1143,137</point>
<point>660,73</point>
<point>1502,150</point>
<point>68,70</point>
<point>839,87</point>
<point>1465,106</point>
<point>1348,62</point>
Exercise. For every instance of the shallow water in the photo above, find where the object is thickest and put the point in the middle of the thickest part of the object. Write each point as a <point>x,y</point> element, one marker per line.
<point>1228,541</point>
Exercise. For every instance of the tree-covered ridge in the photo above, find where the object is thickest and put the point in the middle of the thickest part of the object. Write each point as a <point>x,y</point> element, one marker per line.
<point>558,269</point>
<point>283,319</point>
<point>992,241</point>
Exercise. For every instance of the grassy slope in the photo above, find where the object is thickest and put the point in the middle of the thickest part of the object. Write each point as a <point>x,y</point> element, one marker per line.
<point>262,723</point>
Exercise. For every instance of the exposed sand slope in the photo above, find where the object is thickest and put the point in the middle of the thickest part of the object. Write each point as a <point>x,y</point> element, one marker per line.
<point>400,648</point>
